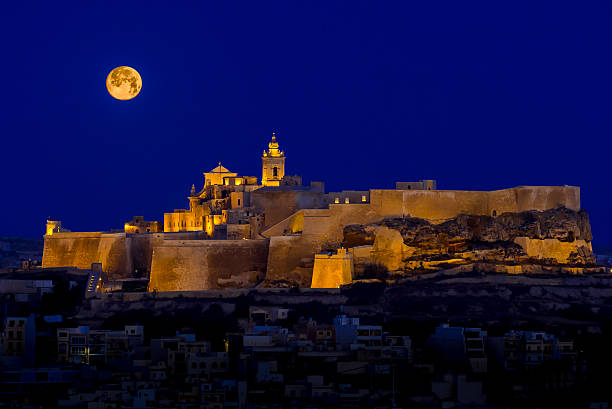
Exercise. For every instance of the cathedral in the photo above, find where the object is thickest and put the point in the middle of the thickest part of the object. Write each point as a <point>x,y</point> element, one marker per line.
<point>225,206</point>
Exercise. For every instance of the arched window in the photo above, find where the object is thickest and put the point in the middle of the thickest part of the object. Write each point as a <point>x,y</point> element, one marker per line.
<point>494,213</point>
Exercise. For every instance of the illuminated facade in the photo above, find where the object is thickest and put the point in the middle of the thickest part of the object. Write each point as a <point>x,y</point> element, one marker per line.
<point>237,232</point>
<point>273,164</point>
<point>224,201</point>
<point>55,226</point>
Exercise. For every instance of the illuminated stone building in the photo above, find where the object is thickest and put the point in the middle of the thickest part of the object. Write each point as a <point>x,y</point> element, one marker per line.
<point>239,233</point>
<point>273,164</point>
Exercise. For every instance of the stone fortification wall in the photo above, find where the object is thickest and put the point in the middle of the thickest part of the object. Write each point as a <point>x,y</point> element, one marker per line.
<point>323,228</point>
<point>287,256</point>
<point>190,265</point>
<point>278,203</point>
<point>292,224</point>
<point>80,250</point>
<point>445,204</point>
<point>332,270</point>
<point>122,255</point>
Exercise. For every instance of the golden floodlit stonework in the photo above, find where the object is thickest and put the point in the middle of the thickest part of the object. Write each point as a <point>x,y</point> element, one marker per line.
<point>238,231</point>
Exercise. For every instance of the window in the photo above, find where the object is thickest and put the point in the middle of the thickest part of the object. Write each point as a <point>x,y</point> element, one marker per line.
<point>275,171</point>
<point>363,198</point>
<point>238,202</point>
<point>346,200</point>
<point>77,340</point>
<point>337,200</point>
<point>77,350</point>
<point>494,213</point>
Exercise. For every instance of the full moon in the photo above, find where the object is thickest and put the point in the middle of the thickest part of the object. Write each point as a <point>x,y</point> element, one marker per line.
<point>123,83</point>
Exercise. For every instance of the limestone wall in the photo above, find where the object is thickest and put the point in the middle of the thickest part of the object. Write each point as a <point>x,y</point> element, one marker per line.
<point>285,255</point>
<point>82,249</point>
<point>190,265</point>
<point>292,224</point>
<point>332,270</point>
<point>238,231</point>
<point>122,255</point>
<point>435,205</point>
<point>444,204</point>
<point>277,205</point>
<point>324,227</point>
<point>547,197</point>
<point>282,203</point>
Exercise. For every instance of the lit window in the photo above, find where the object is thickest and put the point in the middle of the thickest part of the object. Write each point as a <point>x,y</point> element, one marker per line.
<point>337,200</point>
<point>363,198</point>
<point>346,200</point>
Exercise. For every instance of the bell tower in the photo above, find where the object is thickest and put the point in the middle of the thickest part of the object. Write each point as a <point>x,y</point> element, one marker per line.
<point>273,164</point>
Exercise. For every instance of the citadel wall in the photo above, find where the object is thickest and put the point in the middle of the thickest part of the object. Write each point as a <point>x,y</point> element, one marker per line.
<point>299,224</point>
<point>80,250</point>
<point>122,255</point>
<point>323,228</point>
<point>278,204</point>
<point>332,270</point>
<point>189,265</point>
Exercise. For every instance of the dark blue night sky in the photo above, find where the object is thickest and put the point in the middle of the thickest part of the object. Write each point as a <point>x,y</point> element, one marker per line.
<point>478,95</point>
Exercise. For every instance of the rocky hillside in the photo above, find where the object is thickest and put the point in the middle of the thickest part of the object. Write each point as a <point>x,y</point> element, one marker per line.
<point>556,236</point>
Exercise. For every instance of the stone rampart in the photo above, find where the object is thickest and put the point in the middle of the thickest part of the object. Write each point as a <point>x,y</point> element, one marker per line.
<point>80,250</point>
<point>122,255</point>
<point>191,265</point>
<point>324,227</point>
<point>332,270</point>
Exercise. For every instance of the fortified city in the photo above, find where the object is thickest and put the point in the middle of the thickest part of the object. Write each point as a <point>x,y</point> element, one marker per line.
<point>240,233</point>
